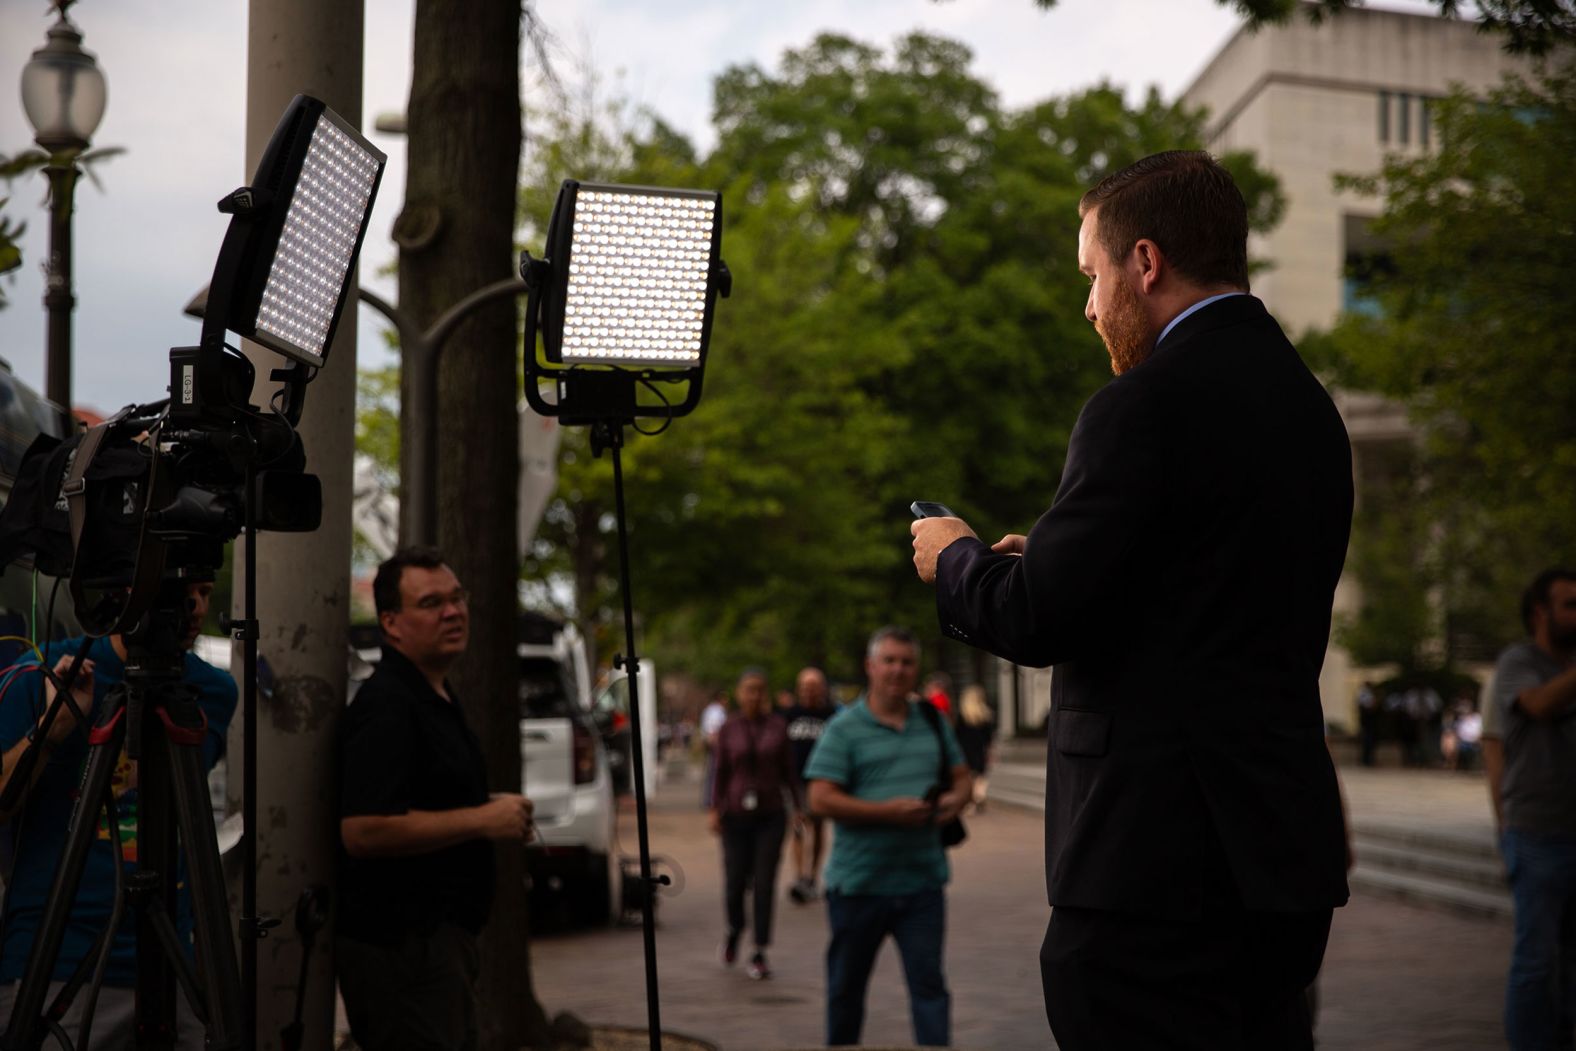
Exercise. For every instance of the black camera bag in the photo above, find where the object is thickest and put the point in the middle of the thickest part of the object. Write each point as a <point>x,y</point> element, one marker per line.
<point>77,508</point>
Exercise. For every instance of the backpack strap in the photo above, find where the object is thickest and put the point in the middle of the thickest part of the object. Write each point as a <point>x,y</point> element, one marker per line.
<point>150,555</point>
<point>933,717</point>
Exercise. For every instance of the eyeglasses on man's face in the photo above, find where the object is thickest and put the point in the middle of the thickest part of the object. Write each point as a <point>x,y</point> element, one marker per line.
<point>434,603</point>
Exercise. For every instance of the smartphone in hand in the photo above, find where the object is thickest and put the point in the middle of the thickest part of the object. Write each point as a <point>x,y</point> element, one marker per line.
<point>927,509</point>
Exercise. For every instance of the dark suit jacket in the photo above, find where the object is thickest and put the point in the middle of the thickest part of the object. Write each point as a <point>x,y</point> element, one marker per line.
<point>1181,584</point>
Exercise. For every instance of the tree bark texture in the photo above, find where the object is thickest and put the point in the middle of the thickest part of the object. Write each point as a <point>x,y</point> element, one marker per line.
<point>464,138</point>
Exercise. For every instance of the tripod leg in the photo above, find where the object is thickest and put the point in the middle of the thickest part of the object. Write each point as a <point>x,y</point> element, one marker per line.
<point>27,1027</point>
<point>184,728</point>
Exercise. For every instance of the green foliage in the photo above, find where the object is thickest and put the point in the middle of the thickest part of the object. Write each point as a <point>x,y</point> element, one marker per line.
<point>1474,341</point>
<point>1398,624</point>
<point>377,437</point>
<point>907,324</point>
<point>377,421</point>
<point>10,250</point>
<point>21,164</point>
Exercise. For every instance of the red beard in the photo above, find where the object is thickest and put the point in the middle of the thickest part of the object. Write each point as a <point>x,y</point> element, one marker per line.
<point>1125,330</point>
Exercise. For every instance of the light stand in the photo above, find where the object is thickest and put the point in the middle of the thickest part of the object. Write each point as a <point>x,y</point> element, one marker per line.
<point>625,300</point>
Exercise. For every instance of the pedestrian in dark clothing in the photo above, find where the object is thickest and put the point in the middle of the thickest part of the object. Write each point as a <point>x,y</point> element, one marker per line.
<point>1535,698</point>
<point>417,824</point>
<point>1368,722</point>
<point>806,719</point>
<point>755,783</point>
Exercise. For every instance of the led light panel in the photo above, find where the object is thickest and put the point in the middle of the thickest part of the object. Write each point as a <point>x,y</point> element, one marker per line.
<point>639,264</point>
<point>322,231</point>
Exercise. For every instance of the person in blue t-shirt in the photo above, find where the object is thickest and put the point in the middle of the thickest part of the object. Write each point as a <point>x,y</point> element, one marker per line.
<point>35,832</point>
<point>875,773</point>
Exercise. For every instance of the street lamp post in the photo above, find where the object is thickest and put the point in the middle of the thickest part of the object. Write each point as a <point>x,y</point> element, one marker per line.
<point>64,93</point>
<point>420,351</point>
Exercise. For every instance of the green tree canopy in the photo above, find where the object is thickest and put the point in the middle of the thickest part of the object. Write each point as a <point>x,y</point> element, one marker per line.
<point>907,324</point>
<point>1472,337</point>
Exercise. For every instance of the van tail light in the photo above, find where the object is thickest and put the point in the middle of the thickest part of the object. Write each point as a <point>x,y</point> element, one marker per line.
<point>584,756</point>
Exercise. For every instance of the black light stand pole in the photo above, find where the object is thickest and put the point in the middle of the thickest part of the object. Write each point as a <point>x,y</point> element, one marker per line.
<point>251,929</point>
<point>609,434</point>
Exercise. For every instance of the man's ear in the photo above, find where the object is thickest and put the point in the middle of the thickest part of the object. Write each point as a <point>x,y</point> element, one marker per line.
<point>386,622</point>
<point>1150,263</point>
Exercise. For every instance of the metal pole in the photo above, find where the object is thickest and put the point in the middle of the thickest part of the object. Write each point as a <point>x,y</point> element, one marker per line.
<point>250,933</point>
<point>612,434</point>
<point>59,299</point>
<point>421,352</point>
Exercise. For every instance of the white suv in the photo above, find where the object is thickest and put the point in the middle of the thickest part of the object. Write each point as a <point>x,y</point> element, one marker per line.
<point>566,775</point>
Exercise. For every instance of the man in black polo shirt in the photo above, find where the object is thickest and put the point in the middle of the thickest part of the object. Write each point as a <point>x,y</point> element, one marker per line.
<point>416,824</point>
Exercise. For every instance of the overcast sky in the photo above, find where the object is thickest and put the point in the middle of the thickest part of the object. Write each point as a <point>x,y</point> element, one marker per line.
<point>176,71</point>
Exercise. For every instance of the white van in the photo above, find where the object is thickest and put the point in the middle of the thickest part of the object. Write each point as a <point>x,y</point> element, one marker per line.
<point>565,774</point>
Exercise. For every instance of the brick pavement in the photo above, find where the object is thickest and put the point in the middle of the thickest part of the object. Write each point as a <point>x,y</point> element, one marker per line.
<point>1397,976</point>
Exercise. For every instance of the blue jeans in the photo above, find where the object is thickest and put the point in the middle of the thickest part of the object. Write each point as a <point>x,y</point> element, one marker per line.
<point>1540,995</point>
<point>860,923</point>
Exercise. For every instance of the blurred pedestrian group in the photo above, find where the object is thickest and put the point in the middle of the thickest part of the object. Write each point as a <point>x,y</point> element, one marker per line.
<point>1426,730</point>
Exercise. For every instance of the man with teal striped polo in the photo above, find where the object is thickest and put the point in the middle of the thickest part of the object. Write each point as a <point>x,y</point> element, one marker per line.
<point>874,772</point>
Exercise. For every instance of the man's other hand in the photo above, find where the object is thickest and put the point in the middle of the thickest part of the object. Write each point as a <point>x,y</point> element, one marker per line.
<point>507,815</point>
<point>81,693</point>
<point>931,537</point>
<point>1011,544</point>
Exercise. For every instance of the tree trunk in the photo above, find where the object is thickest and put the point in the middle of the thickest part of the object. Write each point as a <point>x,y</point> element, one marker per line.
<point>457,236</point>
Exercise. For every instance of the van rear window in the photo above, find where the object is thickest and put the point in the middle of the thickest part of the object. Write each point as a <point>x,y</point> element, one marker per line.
<point>543,692</point>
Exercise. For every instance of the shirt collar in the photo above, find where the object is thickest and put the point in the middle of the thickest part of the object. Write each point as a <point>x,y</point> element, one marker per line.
<point>405,669</point>
<point>1195,308</point>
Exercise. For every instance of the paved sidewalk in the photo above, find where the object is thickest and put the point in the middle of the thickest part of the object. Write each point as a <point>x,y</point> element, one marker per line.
<point>1442,801</point>
<point>1397,977</point>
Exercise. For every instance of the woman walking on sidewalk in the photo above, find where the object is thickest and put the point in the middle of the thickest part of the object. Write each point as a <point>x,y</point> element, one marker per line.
<point>755,778</point>
<point>976,735</point>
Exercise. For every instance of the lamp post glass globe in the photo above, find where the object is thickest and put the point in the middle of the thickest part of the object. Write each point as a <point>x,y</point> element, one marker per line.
<point>63,90</point>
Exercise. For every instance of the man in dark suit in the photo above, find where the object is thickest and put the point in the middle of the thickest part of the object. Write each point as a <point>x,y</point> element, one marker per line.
<point>1181,584</point>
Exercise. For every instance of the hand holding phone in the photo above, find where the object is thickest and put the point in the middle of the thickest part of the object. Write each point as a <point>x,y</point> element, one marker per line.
<point>927,509</point>
<point>934,527</point>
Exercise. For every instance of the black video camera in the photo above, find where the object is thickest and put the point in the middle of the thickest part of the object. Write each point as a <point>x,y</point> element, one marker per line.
<point>160,487</point>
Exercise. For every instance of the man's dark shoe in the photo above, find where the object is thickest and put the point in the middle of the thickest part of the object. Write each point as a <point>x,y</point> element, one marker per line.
<point>729,952</point>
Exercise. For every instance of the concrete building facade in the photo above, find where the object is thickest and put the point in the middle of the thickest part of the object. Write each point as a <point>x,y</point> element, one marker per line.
<point>1315,101</point>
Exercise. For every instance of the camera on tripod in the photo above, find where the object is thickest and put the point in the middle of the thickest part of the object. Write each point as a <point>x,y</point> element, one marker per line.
<point>132,511</point>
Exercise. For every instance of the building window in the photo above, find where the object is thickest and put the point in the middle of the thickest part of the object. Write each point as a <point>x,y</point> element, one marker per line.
<point>1423,106</point>
<point>1403,118</point>
<point>1384,116</point>
<point>1367,263</point>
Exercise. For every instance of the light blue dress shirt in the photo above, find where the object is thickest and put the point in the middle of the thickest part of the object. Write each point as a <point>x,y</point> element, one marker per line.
<point>1201,304</point>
